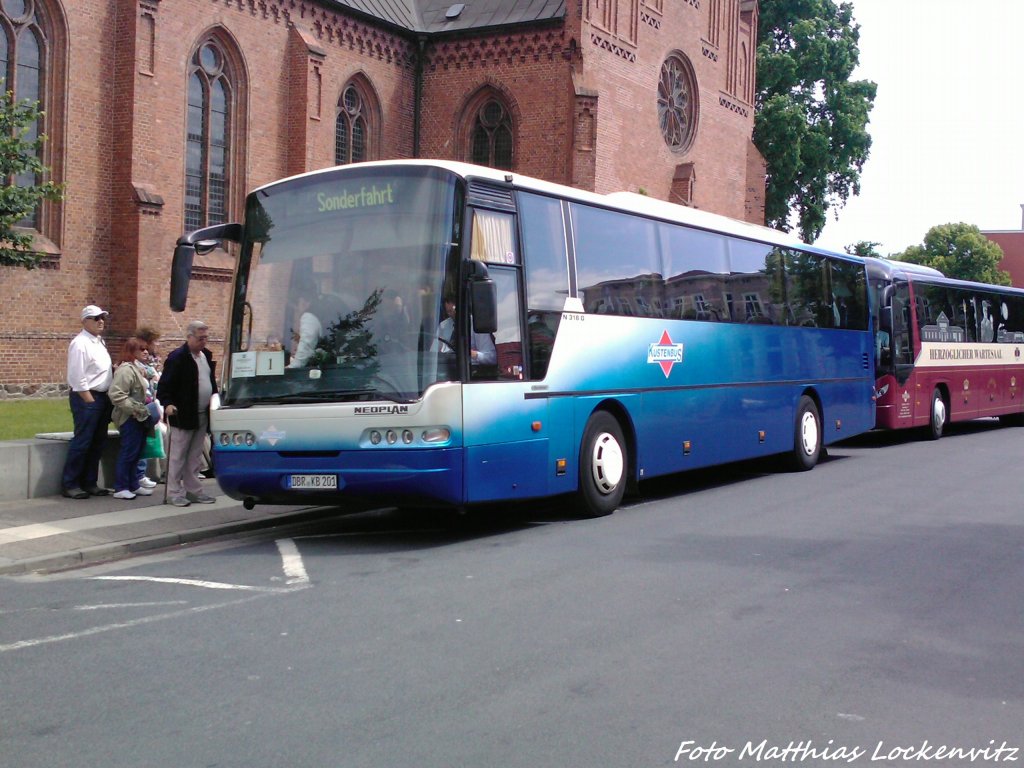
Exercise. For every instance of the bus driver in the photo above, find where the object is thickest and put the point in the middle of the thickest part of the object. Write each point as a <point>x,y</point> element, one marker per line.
<point>482,351</point>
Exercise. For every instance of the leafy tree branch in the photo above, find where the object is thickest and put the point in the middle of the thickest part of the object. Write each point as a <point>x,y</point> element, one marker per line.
<point>21,170</point>
<point>811,121</point>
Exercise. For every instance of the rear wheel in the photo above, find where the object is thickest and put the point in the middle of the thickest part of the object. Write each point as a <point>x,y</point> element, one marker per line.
<point>807,436</point>
<point>604,460</point>
<point>937,421</point>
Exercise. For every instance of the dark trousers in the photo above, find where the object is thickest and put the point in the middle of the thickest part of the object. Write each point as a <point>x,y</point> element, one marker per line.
<point>82,465</point>
<point>133,438</point>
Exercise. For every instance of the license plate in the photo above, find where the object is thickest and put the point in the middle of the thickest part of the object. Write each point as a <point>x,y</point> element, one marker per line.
<point>314,482</point>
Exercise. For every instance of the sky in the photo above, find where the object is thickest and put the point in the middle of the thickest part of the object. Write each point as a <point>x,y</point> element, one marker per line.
<point>947,126</point>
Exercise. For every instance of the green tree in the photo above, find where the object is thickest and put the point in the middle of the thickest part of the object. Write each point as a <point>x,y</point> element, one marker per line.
<point>961,251</point>
<point>811,120</point>
<point>864,248</point>
<point>19,160</point>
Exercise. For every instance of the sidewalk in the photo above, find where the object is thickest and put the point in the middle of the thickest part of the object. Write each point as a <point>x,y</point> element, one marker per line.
<point>52,533</point>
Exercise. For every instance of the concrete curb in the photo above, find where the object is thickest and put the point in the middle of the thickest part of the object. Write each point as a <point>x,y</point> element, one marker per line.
<point>112,551</point>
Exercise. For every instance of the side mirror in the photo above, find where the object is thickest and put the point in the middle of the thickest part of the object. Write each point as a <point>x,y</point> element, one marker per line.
<point>200,241</point>
<point>181,275</point>
<point>484,296</point>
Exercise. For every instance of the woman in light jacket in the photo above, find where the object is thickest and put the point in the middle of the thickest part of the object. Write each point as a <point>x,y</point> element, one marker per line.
<point>128,396</point>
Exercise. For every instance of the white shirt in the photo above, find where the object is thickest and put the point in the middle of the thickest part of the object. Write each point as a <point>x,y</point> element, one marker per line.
<point>89,363</point>
<point>205,387</point>
<point>483,345</point>
<point>310,331</point>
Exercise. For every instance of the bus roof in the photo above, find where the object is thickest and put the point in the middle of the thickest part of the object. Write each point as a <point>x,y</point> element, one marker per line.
<point>890,269</point>
<point>630,202</point>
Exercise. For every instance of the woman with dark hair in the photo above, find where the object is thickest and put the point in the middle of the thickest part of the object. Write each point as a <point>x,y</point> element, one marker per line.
<point>128,396</point>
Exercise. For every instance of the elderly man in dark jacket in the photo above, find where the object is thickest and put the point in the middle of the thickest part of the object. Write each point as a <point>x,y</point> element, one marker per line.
<point>186,387</point>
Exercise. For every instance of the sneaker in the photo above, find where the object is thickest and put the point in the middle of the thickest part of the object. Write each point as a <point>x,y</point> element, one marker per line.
<point>178,501</point>
<point>143,491</point>
<point>145,482</point>
<point>200,498</point>
<point>124,495</point>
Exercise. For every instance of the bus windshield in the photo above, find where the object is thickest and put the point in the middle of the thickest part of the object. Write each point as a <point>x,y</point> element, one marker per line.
<point>340,288</point>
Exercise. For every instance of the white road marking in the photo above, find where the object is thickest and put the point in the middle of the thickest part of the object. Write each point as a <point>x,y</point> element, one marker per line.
<point>294,570</point>
<point>105,606</point>
<point>192,583</point>
<point>23,644</point>
<point>292,561</point>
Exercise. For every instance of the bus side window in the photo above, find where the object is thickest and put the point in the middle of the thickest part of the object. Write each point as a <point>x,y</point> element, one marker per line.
<point>847,294</point>
<point>902,351</point>
<point>544,252</point>
<point>542,328</point>
<point>607,280</point>
<point>696,269</point>
<point>507,340</point>
<point>493,238</point>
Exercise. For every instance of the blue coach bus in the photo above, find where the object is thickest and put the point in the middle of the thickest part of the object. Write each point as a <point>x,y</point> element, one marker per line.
<point>436,333</point>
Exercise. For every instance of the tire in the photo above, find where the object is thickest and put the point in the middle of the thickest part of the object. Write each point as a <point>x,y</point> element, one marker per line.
<point>807,436</point>
<point>938,416</point>
<point>603,466</point>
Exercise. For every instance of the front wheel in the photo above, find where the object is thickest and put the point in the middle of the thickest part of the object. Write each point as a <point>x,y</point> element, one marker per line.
<point>937,422</point>
<point>807,436</point>
<point>604,460</point>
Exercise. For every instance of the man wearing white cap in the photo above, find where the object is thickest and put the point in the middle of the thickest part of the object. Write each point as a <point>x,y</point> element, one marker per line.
<point>89,377</point>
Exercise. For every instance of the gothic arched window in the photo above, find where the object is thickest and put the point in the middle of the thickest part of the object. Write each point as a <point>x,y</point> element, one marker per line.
<point>211,102</point>
<point>352,127</point>
<point>22,53</point>
<point>491,137</point>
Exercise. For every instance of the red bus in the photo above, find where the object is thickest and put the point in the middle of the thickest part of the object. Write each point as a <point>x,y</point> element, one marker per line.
<point>945,350</point>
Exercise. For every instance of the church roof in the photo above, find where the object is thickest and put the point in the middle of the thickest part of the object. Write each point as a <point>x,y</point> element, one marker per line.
<point>443,16</point>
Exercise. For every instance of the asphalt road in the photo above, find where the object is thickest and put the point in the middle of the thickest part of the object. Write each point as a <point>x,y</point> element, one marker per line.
<point>868,612</point>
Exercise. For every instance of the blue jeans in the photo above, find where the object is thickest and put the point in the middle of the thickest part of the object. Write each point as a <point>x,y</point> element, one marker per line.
<point>133,438</point>
<point>82,465</point>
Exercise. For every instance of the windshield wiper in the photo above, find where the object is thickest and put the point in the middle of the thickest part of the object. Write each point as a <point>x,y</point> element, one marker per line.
<point>337,396</point>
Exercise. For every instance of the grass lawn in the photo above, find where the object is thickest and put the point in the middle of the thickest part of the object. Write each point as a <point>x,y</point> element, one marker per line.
<point>26,418</point>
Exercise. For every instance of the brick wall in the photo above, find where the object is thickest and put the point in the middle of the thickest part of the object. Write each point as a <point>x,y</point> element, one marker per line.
<point>583,114</point>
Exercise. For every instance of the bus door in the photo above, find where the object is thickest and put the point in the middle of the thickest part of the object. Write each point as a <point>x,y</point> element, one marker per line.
<point>505,434</point>
<point>901,354</point>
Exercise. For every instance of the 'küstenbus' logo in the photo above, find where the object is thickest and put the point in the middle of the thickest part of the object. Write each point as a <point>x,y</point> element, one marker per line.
<point>665,353</point>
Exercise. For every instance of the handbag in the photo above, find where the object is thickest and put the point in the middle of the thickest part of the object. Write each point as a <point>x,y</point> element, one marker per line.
<point>153,448</point>
<point>154,417</point>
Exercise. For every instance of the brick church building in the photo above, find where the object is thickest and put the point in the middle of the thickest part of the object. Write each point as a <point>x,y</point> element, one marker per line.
<point>161,114</point>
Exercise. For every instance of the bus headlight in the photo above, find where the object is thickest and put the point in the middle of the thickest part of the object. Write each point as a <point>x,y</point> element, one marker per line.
<point>406,436</point>
<point>436,435</point>
<point>237,439</point>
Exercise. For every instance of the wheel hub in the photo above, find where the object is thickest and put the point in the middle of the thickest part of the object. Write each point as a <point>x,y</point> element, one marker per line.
<point>809,434</point>
<point>607,466</point>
